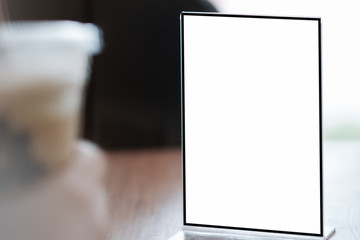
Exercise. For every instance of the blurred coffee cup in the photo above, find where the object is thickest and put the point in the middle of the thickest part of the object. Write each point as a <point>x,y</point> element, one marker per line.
<point>43,70</point>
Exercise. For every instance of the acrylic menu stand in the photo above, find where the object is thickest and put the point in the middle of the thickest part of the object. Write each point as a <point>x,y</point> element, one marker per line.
<point>208,232</point>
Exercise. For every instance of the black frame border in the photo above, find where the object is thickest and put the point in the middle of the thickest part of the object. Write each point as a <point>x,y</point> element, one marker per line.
<point>182,71</point>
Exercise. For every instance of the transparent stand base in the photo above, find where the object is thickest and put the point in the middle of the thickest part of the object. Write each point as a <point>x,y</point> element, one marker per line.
<point>193,233</point>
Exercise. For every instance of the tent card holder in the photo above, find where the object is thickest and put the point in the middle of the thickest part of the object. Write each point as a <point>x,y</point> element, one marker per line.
<point>299,62</point>
<point>194,233</point>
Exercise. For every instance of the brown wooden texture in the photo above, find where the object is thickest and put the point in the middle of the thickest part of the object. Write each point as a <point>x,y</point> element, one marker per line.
<point>145,190</point>
<point>145,194</point>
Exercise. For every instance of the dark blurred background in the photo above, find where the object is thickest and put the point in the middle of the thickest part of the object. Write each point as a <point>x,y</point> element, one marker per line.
<point>133,96</point>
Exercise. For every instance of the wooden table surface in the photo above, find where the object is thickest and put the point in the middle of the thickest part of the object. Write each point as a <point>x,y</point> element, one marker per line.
<point>146,194</point>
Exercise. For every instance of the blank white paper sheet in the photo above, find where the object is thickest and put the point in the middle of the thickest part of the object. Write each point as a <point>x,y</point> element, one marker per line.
<point>252,123</point>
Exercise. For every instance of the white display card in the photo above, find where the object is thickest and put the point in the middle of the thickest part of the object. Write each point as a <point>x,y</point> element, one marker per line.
<point>251,95</point>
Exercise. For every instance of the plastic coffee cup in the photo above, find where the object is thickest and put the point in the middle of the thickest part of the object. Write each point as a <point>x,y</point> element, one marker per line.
<point>43,71</point>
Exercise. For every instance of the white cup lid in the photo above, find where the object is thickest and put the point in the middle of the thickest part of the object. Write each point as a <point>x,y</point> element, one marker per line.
<point>50,35</point>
